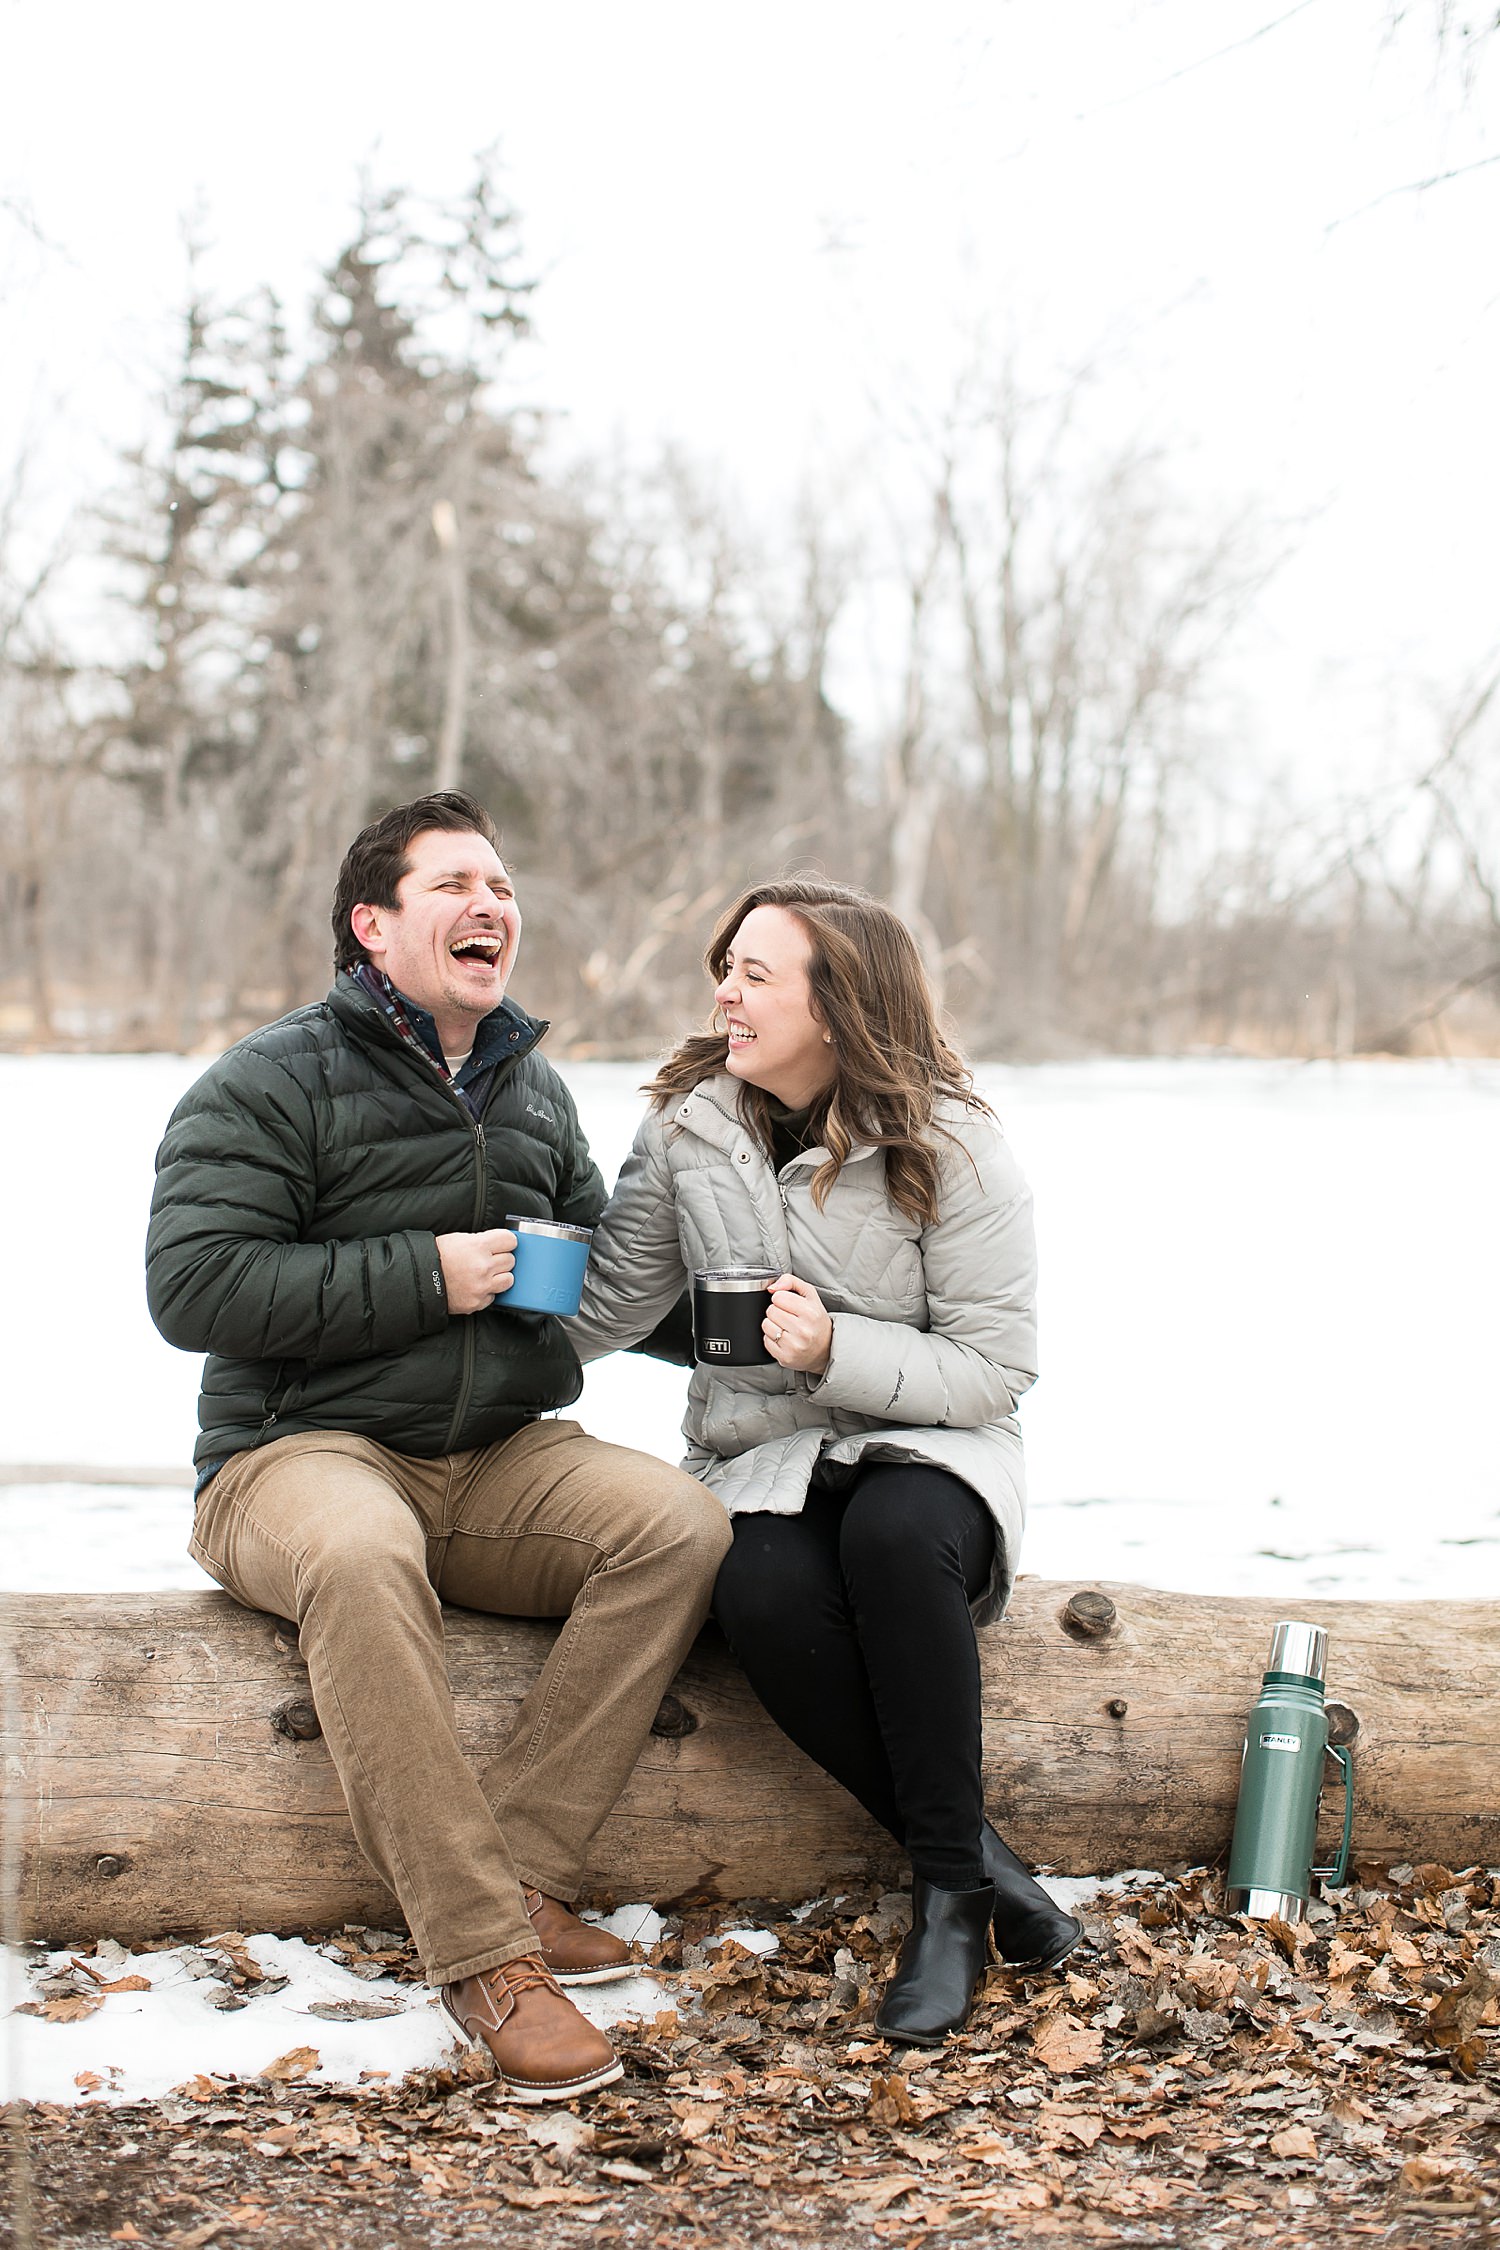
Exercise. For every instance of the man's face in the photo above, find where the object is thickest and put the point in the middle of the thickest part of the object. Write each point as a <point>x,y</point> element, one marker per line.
<point>450,941</point>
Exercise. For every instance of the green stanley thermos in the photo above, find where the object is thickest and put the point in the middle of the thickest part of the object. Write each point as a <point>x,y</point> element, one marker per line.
<point>1281,1779</point>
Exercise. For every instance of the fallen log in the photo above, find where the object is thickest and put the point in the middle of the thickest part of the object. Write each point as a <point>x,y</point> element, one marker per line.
<point>164,1769</point>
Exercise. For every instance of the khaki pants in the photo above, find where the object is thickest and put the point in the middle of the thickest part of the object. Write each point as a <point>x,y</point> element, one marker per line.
<point>360,1545</point>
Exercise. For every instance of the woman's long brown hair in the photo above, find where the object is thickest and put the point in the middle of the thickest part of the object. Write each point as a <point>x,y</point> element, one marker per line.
<point>892,1064</point>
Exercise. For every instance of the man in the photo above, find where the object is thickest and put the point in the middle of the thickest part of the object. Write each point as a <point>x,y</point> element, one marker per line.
<point>375,1426</point>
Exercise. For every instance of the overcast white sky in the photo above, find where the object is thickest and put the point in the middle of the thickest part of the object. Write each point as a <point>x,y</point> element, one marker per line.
<point>755,225</point>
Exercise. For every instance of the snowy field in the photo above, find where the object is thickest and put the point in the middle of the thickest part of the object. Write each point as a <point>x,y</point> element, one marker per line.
<point>1268,1323</point>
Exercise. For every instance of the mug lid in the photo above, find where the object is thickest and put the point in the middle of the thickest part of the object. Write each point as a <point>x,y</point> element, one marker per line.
<point>555,1227</point>
<point>735,1277</point>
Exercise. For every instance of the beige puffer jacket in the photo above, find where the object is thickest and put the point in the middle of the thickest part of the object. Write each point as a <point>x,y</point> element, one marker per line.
<point>934,1328</point>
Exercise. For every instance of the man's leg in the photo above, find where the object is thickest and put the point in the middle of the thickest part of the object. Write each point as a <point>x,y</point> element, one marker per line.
<point>625,1550</point>
<point>332,1530</point>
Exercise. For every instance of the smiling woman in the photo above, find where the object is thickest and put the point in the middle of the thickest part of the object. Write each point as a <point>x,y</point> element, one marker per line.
<point>829,1133</point>
<point>777,1039</point>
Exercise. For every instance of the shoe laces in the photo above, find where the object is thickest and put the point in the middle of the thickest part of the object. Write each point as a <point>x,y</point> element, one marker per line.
<point>529,1973</point>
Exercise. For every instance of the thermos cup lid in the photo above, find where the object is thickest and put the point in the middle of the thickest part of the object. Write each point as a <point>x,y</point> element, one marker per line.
<point>1299,1648</point>
<point>734,1277</point>
<point>549,1226</point>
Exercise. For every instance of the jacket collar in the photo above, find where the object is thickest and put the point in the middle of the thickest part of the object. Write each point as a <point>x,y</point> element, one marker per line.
<point>712,1112</point>
<point>505,1034</point>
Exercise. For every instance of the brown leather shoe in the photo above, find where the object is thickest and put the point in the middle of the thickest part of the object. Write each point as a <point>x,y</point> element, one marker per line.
<point>544,2049</point>
<point>576,1952</point>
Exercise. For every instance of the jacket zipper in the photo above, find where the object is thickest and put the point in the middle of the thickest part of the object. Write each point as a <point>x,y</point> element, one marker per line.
<point>466,1374</point>
<point>481,1180</point>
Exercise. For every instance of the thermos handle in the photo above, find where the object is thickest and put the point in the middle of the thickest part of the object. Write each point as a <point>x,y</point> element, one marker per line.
<point>1340,1867</point>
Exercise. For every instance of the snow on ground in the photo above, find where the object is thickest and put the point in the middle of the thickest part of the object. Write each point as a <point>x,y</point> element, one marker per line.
<point>138,2046</point>
<point>1268,1322</point>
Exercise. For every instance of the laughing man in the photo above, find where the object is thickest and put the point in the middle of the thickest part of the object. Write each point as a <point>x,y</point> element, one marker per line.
<point>377,1431</point>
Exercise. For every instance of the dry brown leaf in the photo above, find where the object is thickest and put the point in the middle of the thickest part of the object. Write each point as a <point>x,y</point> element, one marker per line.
<point>1423,2172</point>
<point>196,2089</point>
<point>620,2168</point>
<point>87,2081</point>
<point>70,2007</point>
<point>1002,2200</point>
<point>295,2063</point>
<point>1085,2126</point>
<point>1456,2015</point>
<point>1212,1982</point>
<point>739,1983</point>
<point>437,2179</point>
<point>127,1984</point>
<point>920,2152</point>
<point>538,2198</point>
<point>1293,2140</point>
<point>696,2120</point>
<point>877,2195</point>
<point>1064,2044</point>
<point>890,2101</point>
<point>559,2129</point>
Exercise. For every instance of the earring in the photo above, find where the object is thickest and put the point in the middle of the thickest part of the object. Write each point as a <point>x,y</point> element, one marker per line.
<point>828,1038</point>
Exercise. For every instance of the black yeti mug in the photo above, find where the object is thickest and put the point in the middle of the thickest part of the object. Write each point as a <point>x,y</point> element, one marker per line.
<point>729,1306</point>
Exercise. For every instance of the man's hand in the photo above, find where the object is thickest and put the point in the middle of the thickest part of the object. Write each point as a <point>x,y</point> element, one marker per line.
<point>476,1267</point>
<point>797,1329</point>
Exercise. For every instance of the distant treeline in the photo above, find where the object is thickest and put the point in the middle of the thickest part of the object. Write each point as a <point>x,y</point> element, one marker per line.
<point>347,577</point>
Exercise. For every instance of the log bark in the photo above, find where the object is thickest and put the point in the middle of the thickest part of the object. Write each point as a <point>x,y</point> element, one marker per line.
<point>164,1770</point>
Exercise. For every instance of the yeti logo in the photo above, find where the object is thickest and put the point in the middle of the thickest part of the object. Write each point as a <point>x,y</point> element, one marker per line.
<point>718,1345</point>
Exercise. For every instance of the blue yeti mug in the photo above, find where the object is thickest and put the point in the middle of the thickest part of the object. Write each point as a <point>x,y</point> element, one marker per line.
<point>550,1259</point>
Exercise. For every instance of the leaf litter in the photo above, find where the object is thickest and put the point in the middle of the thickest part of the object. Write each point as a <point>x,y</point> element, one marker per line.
<point>1190,2077</point>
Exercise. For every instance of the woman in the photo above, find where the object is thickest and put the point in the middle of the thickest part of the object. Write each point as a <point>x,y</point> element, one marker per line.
<point>826,1130</point>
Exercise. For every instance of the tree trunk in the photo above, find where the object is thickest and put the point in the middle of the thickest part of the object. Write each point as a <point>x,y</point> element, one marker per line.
<point>164,1770</point>
<point>448,767</point>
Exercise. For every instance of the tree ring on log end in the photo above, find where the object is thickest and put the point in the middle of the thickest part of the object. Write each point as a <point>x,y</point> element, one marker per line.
<point>297,1719</point>
<point>1343,1726</point>
<point>1087,1615</point>
<point>674,1720</point>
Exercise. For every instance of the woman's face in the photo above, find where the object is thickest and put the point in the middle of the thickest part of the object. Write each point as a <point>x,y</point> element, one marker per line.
<point>775,1040</point>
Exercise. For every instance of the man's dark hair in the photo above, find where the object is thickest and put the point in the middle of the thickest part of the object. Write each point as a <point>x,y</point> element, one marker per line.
<point>379,856</point>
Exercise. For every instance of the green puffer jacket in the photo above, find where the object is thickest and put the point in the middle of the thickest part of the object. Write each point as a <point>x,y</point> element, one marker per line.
<point>301,1187</point>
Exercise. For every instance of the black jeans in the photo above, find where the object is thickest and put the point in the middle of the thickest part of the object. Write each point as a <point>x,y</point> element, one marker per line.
<point>852,1624</point>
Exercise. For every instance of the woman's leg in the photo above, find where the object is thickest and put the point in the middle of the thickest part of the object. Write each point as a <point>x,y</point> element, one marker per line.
<point>781,1602</point>
<point>915,1546</point>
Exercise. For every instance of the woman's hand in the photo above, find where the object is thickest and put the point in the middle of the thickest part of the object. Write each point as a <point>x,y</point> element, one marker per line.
<point>797,1330</point>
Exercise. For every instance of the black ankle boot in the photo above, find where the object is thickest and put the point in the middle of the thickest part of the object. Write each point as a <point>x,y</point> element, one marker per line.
<point>942,1960</point>
<point>1030,1932</point>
